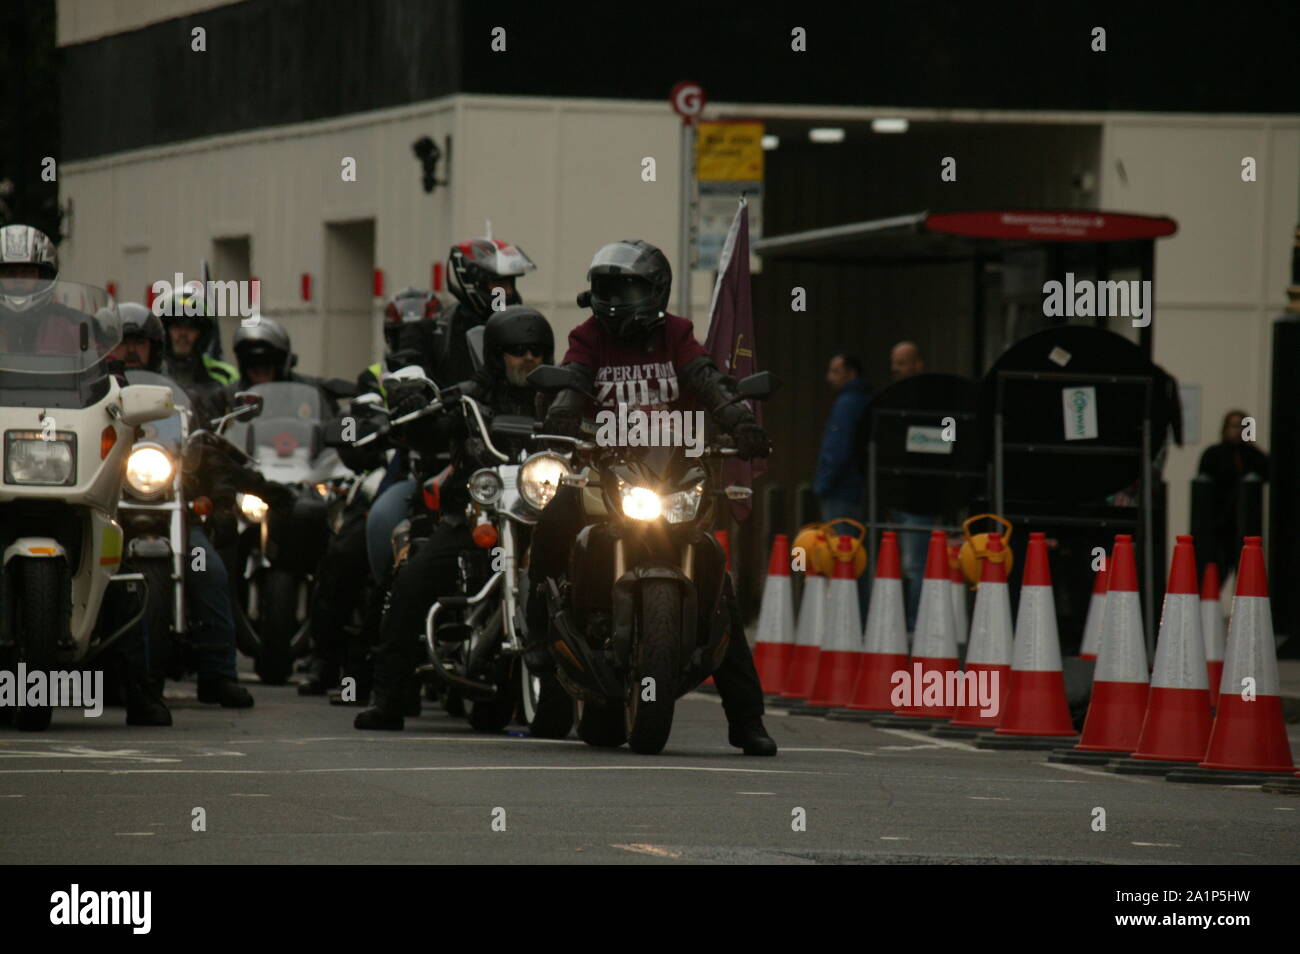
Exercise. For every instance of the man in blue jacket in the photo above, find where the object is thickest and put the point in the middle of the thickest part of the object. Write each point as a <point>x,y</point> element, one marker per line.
<point>840,476</point>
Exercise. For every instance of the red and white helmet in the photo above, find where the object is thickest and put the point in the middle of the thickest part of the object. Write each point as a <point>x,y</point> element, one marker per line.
<point>474,266</point>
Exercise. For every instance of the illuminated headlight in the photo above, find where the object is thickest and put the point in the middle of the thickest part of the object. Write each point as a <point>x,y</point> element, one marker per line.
<point>640,503</point>
<point>683,505</point>
<point>31,458</point>
<point>485,487</point>
<point>149,470</point>
<point>253,508</point>
<point>539,478</point>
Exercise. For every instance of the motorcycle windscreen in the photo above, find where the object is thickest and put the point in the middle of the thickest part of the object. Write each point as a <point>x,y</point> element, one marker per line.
<point>55,327</point>
<point>287,438</point>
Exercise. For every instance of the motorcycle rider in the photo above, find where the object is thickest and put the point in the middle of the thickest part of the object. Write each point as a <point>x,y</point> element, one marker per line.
<point>190,329</point>
<point>481,275</point>
<point>632,351</point>
<point>207,590</point>
<point>29,268</point>
<point>515,341</point>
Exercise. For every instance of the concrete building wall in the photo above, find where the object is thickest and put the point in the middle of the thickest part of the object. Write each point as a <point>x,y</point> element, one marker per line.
<point>80,21</point>
<point>1221,281</point>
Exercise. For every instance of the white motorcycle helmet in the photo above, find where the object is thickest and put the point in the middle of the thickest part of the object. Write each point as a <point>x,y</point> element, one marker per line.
<point>29,266</point>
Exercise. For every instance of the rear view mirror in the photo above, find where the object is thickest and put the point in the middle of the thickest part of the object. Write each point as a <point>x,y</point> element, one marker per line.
<point>248,404</point>
<point>760,385</point>
<point>142,403</point>
<point>549,379</point>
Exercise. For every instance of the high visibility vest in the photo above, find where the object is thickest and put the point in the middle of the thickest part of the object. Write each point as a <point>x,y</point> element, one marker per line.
<point>219,370</point>
<point>377,369</point>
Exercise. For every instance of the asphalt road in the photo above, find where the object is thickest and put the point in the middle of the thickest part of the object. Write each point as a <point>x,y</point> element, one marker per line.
<point>292,782</point>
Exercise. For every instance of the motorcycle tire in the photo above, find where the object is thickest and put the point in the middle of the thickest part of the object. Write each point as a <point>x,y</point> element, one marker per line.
<point>41,590</point>
<point>601,725</point>
<point>544,707</point>
<point>654,657</point>
<point>157,619</point>
<point>277,623</point>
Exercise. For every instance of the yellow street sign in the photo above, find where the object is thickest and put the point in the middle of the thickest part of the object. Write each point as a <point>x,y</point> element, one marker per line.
<point>729,152</point>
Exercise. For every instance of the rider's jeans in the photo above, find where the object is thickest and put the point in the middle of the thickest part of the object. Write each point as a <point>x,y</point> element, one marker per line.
<point>386,513</point>
<point>212,618</point>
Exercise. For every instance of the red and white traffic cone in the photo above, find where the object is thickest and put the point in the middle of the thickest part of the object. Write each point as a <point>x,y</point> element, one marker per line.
<point>1248,741</point>
<point>1212,627</point>
<point>775,619</point>
<point>990,648</point>
<point>802,673</point>
<point>1036,714</point>
<point>1096,613</point>
<point>934,649</point>
<point>885,638</point>
<point>1176,729</point>
<point>1119,687</point>
<point>837,664</point>
<point>958,589</point>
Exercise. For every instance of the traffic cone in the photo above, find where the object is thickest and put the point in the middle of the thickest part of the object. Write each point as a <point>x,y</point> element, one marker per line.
<point>958,589</point>
<point>934,648</point>
<point>1096,613</point>
<point>885,638</point>
<point>1212,626</point>
<point>1119,688</point>
<point>1248,741</point>
<point>775,619</point>
<point>837,664</point>
<point>990,647</point>
<point>1036,714</point>
<point>1176,728</point>
<point>802,673</point>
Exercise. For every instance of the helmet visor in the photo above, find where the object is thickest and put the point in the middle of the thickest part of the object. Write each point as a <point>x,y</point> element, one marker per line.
<point>621,291</point>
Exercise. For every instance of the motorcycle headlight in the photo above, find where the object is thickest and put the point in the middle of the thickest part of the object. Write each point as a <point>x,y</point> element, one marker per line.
<point>33,458</point>
<point>539,478</point>
<point>640,503</point>
<point>485,486</point>
<point>149,470</point>
<point>683,505</point>
<point>252,507</point>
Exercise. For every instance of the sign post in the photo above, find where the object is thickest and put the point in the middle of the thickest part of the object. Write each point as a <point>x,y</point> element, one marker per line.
<point>687,101</point>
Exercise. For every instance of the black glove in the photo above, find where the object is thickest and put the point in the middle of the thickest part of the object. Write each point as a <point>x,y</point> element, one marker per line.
<point>403,399</point>
<point>565,421</point>
<point>751,441</point>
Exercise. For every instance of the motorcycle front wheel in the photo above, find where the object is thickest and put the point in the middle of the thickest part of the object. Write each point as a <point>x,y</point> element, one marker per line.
<point>652,677</point>
<point>40,589</point>
<point>277,622</point>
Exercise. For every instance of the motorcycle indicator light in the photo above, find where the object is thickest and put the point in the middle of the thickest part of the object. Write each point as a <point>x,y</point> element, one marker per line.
<point>107,440</point>
<point>485,535</point>
<point>149,470</point>
<point>202,506</point>
<point>485,487</point>
<point>252,507</point>
<point>641,503</point>
<point>33,457</point>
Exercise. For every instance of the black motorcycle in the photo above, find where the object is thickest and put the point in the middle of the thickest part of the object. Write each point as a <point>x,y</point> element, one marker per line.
<point>642,617</point>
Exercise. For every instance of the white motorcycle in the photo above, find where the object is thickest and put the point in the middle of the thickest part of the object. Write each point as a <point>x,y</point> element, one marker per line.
<point>68,428</point>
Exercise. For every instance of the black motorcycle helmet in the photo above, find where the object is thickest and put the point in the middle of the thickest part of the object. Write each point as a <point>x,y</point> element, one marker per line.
<point>517,327</point>
<point>630,282</point>
<point>139,322</point>
<point>186,305</point>
<point>263,343</point>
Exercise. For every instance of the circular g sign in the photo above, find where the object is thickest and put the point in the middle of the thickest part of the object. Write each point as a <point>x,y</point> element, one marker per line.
<point>687,100</point>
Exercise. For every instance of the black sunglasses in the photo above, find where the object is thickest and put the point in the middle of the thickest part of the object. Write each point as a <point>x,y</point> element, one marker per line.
<point>520,350</point>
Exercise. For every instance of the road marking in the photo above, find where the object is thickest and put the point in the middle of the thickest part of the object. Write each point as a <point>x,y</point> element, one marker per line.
<point>1154,844</point>
<point>85,752</point>
<point>650,850</point>
<point>1087,771</point>
<point>248,795</point>
<point>756,793</point>
<point>931,740</point>
<point>894,838</point>
<point>908,748</point>
<point>1275,809</point>
<point>417,768</point>
<point>988,798</point>
<point>134,834</point>
<point>845,751</point>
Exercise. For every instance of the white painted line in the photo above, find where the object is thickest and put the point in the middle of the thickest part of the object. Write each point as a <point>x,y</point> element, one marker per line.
<point>844,751</point>
<point>932,740</point>
<point>894,838</point>
<point>1087,771</point>
<point>1154,844</point>
<point>248,795</point>
<point>756,793</point>
<point>650,850</point>
<point>907,748</point>
<point>988,798</point>
<point>141,834</point>
<point>417,768</point>
<point>24,796</point>
<point>1275,809</point>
